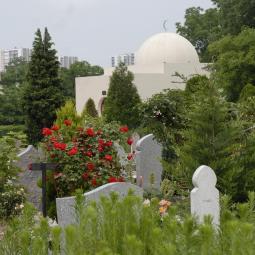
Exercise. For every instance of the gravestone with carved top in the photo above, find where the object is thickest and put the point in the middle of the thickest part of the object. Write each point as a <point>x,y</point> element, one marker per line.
<point>205,197</point>
<point>148,157</point>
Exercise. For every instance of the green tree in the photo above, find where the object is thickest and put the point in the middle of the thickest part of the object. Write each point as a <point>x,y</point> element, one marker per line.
<point>164,115</point>
<point>90,108</point>
<point>78,69</point>
<point>15,73</point>
<point>234,15</point>
<point>43,93</point>
<point>200,28</point>
<point>11,112</point>
<point>122,98</point>
<point>234,62</point>
<point>211,139</point>
<point>196,84</point>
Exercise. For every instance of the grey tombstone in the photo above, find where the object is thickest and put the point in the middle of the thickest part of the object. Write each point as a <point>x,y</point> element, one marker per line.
<point>122,155</point>
<point>205,197</point>
<point>148,157</point>
<point>65,206</point>
<point>136,137</point>
<point>28,178</point>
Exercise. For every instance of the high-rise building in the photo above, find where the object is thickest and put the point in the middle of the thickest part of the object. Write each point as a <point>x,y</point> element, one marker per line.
<point>128,59</point>
<point>67,61</point>
<point>6,56</point>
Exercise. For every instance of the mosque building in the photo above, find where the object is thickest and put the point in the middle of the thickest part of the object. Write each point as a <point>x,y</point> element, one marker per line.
<point>157,62</point>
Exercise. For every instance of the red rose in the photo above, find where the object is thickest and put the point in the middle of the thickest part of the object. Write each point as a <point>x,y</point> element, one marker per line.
<point>108,143</point>
<point>46,132</point>
<point>85,176</point>
<point>108,157</point>
<point>129,141</point>
<point>90,166</point>
<point>73,151</point>
<point>94,182</point>
<point>130,156</point>
<point>89,153</point>
<point>121,179</point>
<point>59,146</point>
<point>53,139</point>
<point>100,148</point>
<point>68,122</point>
<point>112,179</point>
<point>124,129</point>
<point>101,141</point>
<point>55,128</point>
<point>90,132</point>
<point>99,132</point>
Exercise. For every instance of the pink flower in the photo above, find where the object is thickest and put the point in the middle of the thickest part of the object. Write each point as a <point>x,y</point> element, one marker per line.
<point>130,156</point>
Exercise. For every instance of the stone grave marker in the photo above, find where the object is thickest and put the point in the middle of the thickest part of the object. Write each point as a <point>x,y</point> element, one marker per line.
<point>28,178</point>
<point>65,205</point>
<point>136,137</point>
<point>147,157</point>
<point>205,197</point>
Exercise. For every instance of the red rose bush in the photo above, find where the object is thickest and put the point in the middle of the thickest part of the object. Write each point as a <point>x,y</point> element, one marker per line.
<point>87,160</point>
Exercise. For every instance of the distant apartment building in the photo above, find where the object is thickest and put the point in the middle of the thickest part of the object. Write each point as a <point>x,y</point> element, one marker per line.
<point>6,56</point>
<point>128,59</point>
<point>67,61</point>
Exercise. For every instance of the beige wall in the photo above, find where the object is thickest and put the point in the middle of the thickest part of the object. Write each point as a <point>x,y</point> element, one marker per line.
<point>147,83</point>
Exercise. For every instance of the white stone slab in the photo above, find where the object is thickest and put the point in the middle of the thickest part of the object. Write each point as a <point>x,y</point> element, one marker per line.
<point>205,197</point>
<point>148,157</point>
<point>65,206</point>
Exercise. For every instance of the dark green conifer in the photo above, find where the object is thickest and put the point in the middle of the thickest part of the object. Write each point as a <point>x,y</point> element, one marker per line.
<point>90,108</point>
<point>43,93</point>
<point>122,98</point>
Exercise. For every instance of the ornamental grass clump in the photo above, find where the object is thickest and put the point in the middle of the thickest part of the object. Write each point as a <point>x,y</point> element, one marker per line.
<point>129,227</point>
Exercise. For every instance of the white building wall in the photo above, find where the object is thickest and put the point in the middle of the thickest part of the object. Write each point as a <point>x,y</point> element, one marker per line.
<point>147,83</point>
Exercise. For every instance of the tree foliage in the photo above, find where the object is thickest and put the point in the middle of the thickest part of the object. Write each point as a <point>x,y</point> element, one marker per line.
<point>15,73</point>
<point>43,93</point>
<point>122,98</point>
<point>200,28</point>
<point>235,62</point>
<point>90,108</point>
<point>234,15</point>
<point>78,69</point>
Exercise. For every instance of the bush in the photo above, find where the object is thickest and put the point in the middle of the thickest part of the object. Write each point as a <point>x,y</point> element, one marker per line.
<point>87,158</point>
<point>5,129</point>
<point>12,199</point>
<point>11,196</point>
<point>129,227</point>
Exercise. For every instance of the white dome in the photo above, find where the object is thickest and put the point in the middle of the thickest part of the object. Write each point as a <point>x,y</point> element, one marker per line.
<point>166,47</point>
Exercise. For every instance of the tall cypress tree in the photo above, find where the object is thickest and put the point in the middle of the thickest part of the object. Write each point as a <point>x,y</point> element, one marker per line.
<point>122,98</point>
<point>43,93</point>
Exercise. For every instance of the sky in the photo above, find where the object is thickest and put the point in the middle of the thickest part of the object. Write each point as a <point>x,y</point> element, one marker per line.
<point>92,30</point>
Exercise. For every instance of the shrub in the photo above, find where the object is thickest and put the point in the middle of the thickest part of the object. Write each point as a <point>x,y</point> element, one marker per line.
<point>11,196</point>
<point>87,158</point>
<point>128,226</point>
<point>90,109</point>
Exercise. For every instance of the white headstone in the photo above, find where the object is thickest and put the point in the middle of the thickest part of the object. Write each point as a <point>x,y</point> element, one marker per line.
<point>65,205</point>
<point>148,157</point>
<point>205,197</point>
